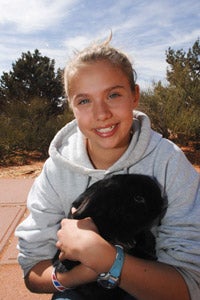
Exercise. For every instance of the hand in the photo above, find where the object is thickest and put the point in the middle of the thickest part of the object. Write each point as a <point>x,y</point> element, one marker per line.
<point>79,240</point>
<point>75,236</point>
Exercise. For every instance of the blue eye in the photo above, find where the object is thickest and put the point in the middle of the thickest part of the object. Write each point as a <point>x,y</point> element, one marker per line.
<point>83,101</point>
<point>113,95</point>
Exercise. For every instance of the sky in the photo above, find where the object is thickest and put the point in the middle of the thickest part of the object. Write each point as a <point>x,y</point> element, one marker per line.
<point>143,29</point>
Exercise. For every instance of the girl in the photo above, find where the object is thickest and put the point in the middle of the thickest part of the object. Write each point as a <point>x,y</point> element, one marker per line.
<point>108,136</point>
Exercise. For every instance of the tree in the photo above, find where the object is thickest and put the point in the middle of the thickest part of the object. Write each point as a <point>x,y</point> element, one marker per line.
<point>33,76</point>
<point>184,72</point>
<point>174,109</point>
<point>32,106</point>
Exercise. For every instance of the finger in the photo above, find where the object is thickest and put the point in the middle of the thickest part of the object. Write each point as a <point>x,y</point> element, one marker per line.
<point>58,244</point>
<point>61,256</point>
<point>92,225</point>
<point>59,234</point>
<point>63,222</point>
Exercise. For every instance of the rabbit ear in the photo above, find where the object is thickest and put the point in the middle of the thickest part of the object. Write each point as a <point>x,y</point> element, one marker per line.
<point>73,210</point>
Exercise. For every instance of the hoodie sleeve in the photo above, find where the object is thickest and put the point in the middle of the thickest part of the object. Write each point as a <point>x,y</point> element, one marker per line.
<point>37,234</point>
<point>178,240</point>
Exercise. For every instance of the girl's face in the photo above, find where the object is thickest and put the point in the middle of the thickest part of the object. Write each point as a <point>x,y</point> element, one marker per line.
<point>103,103</point>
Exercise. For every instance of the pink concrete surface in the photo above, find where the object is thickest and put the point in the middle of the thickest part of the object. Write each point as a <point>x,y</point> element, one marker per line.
<point>9,219</point>
<point>14,191</point>
<point>13,195</point>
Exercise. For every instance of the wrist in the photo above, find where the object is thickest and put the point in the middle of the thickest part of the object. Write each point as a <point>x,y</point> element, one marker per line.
<point>111,278</point>
<point>79,275</point>
<point>102,249</point>
<point>56,278</point>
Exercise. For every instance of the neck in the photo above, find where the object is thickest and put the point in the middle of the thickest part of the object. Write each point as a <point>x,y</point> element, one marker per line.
<point>103,159</point>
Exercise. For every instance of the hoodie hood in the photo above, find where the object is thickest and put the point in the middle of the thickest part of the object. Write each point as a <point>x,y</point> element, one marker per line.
<point>68,147</point>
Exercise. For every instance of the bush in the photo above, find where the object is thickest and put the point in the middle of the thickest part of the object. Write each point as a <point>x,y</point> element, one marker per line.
<point>170,113</point>
<point>28,127</point>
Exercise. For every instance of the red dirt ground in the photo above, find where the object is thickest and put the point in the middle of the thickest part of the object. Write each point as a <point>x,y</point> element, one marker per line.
<point>34,167</point>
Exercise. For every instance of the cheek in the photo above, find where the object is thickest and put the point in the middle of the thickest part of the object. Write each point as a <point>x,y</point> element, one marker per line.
<point>83,120</point>
<point>126,112</point>
<point>77,113</point>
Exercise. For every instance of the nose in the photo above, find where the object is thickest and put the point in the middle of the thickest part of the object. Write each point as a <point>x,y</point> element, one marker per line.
<point>102,111</point>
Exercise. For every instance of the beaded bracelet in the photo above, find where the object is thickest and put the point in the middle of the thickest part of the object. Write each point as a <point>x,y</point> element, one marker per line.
<point>56,283</point>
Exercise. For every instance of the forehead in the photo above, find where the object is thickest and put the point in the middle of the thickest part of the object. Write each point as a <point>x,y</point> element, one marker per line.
<point>92,66</point>
<point>95,73</point>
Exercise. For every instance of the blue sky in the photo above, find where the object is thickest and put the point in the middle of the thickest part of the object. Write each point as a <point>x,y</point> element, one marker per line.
<point>143,29</point>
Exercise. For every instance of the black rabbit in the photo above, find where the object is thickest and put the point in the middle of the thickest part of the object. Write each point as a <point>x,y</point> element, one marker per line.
<point>124,209</point>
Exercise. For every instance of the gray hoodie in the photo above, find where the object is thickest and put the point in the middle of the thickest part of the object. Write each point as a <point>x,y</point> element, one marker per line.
<point>68,172</point>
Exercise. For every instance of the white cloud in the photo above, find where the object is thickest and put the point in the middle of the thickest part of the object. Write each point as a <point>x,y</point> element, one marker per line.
<point>77,42</point>
<point>29,16</point>
<point>185,38</point>
<point>142,28</point>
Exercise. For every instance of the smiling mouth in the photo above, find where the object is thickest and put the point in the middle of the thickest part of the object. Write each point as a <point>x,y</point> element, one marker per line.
<point>105,130</point>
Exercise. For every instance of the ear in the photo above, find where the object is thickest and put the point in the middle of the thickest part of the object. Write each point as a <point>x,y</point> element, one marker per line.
<point>136,96</point>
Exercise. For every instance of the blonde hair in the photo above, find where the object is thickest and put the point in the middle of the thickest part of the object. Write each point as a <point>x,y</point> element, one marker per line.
<point>100,52</point>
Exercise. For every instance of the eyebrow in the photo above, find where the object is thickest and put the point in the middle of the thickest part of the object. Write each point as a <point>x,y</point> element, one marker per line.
<point>115,87</point>
<point>81,95</point>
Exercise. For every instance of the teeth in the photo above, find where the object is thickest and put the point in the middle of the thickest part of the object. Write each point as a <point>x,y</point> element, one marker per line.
<point>105,130</point>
